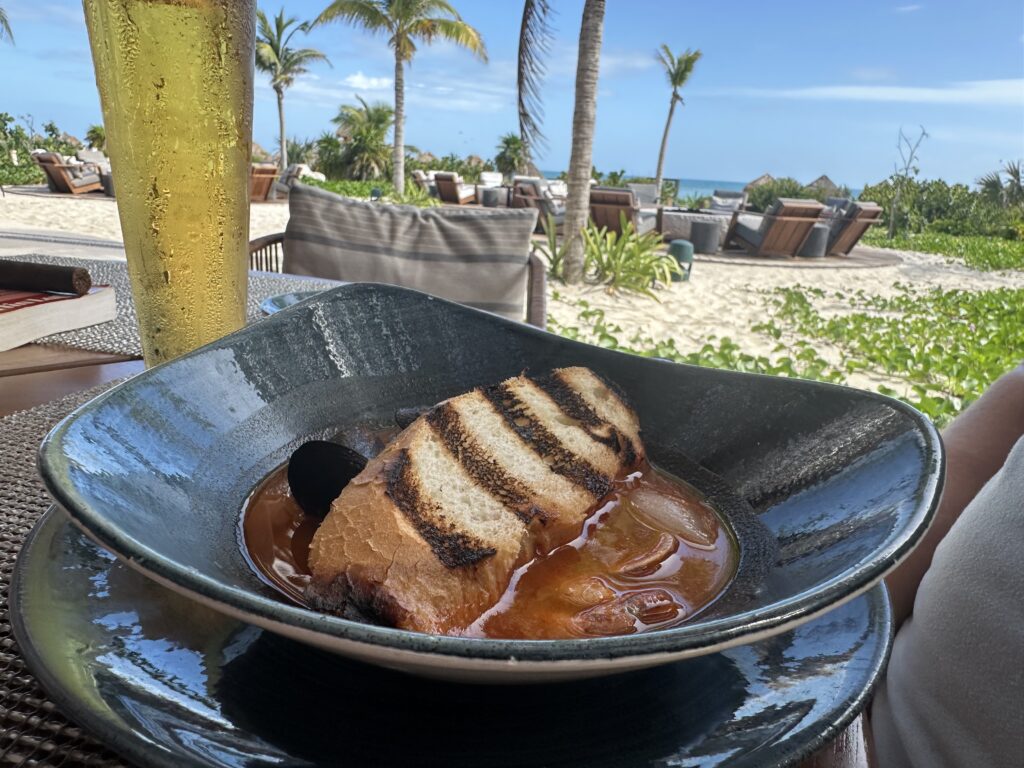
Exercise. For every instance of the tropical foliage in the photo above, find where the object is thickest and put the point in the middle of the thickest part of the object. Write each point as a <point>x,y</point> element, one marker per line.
<point>948,346</point>
<point>620,262</point>
<point>405,23</point>
<point>976,252</point>
<point>1008,192</point>
<point>363,129</point>
<point>952,209</point>
<point>5,27</point>
<point>96,137</point>
<point>282,62</point>
<point>469,168</point>
<point>301,150</point>
<point>677,70</point>
<point>626,261</point>
<point>512,157</point>
<point>21,138</point>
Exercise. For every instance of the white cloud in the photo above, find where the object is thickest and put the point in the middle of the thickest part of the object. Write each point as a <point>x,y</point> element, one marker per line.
<point>366,83</point>
<point>490,90</point>
<point>908,8</point>
<point>613,64</point>
<point>991,93</point>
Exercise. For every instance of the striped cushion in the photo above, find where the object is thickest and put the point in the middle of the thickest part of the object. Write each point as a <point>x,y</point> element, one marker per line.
<point>477,257</point>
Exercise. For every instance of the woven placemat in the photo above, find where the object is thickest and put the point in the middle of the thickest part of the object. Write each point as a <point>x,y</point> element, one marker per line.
<point>32,731</point>
<point>121,335</point>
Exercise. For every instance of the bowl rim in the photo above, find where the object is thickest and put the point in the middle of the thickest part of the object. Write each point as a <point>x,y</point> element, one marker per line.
<point>734,629</point>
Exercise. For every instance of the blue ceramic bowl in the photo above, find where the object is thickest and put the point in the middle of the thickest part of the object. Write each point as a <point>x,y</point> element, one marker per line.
<point>157,469</point>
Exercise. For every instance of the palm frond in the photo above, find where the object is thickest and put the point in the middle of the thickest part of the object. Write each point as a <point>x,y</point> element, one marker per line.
<point>535,38</point>
<point>369,14</point>
<point>5,27</point>
<point>454,31</point>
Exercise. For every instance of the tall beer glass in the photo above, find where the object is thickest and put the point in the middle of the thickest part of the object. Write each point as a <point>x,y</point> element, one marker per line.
<point>175,80</point>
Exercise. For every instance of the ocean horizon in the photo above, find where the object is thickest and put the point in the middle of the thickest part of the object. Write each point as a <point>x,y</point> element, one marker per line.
<point>698,187</point>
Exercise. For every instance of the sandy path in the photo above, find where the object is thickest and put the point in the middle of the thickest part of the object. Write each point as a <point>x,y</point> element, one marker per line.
<point>96,215</point>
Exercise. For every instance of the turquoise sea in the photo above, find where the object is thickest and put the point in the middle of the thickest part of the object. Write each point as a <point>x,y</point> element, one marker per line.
<point>687,187</point>
<point>701,187</point>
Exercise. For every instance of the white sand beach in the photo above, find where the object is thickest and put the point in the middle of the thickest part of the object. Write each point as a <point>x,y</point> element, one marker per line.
<point>720,300</point>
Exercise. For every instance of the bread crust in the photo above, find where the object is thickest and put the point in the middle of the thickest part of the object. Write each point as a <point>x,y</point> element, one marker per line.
<point>405,547</point>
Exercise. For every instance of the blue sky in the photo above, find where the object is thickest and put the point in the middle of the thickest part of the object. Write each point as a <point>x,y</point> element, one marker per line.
<point>794,88</point>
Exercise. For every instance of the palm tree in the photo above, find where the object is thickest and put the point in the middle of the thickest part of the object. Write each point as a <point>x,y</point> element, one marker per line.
<point>577,205</point>
<point>405,22</point>
<point>282,63</point>
<point>677,70</point>
<point>363,130</point>
<point>1010,193</point>
<point>5,27</point>
<point>534,42</point>
<point>512,157</point>
<point>96,137</point>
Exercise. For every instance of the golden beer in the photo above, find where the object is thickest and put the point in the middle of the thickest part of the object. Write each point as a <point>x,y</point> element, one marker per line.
<point>175,80</point>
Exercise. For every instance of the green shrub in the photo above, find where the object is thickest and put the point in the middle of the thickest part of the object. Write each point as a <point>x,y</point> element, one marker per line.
<point>947,345</point>
<point>22,139</point>
<point>626,261</point>
<point>469,169</point>
<point>977,252</point>
<point>551,250</point>
<point>952,209</point>
<point>763,195</point>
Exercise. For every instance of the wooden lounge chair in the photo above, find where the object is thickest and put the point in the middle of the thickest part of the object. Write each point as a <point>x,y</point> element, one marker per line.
<point>450,189</point>
<point>62,177</point>
<point>480,257</point>
<point>532,193</point>
<point>849,225</point>
<point>782,231</point>
<point>261,181</point>
<point>610,206</point>
<point>420,179</point>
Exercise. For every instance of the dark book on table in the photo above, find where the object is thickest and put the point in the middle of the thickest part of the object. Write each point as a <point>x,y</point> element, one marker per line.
<point>26,316</point>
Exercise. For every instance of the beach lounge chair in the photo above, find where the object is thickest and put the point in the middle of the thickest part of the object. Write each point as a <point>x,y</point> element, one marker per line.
<point>490,179</point>
<point>450,189</point>
<point>781,231</point>
<point>532,192</point>
<point>848,225</point>
<point>727,202</point>
<point>420,179</point>
<point>65,177</point>
<point>646,194</point>
<point>608,206</point>
<point>261,181</point>
<point>475,256</point>
<point>94,157</point>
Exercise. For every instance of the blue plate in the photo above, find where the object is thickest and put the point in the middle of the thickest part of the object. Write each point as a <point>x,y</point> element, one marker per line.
<point>157,469</point>
<point>284,300</point>
<point>168,683</point>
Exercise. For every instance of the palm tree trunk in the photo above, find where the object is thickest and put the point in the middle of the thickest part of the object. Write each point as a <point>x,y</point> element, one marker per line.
<point>399,156</point>
<point>577,207</point>
<point>283,160</point>
<point>664,146</point>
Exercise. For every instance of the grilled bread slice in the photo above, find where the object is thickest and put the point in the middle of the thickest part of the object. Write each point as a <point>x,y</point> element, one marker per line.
<point>428,535</point>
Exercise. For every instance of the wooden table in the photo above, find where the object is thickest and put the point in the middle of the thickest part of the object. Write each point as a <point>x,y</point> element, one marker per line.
<point>36,374</point>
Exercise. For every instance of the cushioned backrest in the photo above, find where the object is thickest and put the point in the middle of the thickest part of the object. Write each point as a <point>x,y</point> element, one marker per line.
<point>477,257</point>
<point>91,156</point>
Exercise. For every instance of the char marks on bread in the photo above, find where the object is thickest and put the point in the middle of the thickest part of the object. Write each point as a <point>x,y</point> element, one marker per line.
<point>428,535</point>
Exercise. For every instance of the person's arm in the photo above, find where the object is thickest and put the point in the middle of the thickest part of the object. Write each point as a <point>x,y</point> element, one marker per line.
<point>977,443</point>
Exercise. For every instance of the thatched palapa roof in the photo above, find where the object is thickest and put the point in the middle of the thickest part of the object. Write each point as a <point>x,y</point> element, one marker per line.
<point>764,178</point>
<point>824,183</point>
